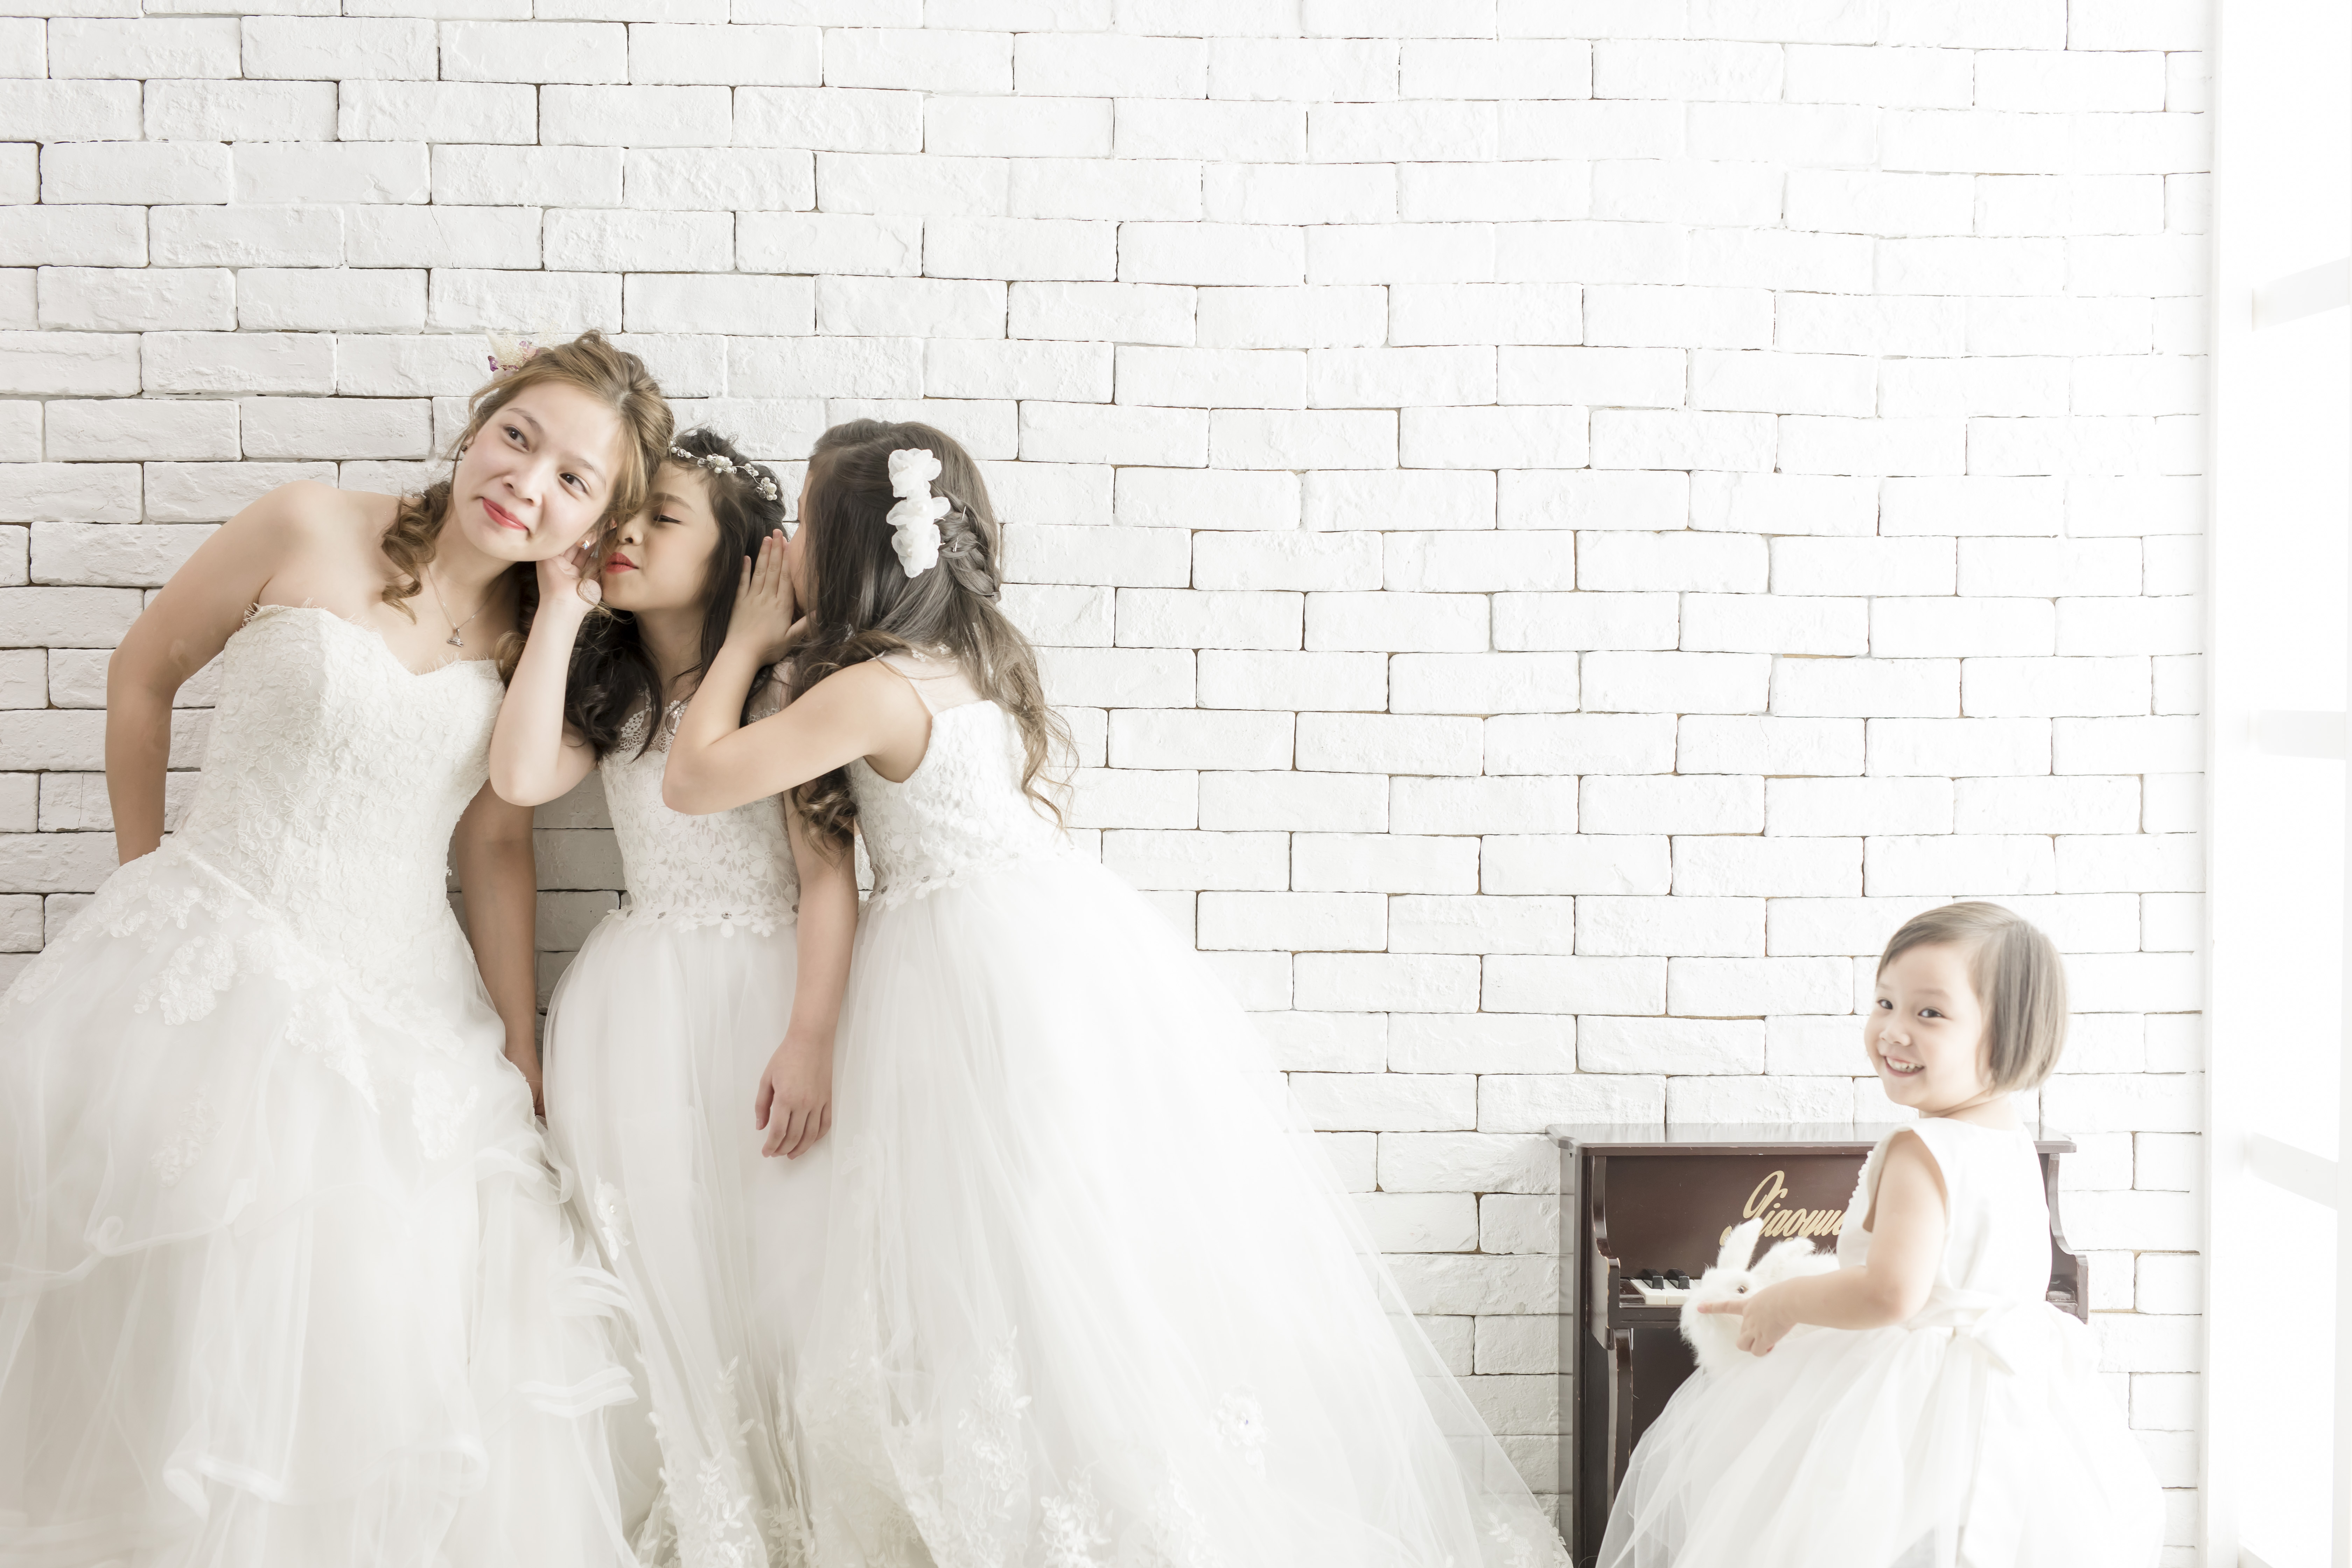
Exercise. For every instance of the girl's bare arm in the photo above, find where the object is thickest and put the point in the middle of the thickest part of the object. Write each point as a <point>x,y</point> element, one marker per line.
<point>795,1096</point>
<point>716,762</point>
<point>491,851</point>
<point>1907,1223</point>
<point>534,756</point>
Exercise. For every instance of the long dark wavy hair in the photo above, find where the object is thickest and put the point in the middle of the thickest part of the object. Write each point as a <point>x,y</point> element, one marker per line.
<point>864,604</point>
<point>613,376</point>
<point>612,674</point>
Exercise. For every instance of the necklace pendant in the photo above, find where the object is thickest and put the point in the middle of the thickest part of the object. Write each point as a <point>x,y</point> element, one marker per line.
<point>456,641</point>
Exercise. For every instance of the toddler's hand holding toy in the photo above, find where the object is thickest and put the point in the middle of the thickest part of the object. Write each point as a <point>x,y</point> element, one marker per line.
<point>1765,1317</point>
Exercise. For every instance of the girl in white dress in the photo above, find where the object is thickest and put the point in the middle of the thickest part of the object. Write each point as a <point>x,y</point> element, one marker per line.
<point>1090,1296</point>
<point>679,1051</point>
<point>1923,1404</point>
<point>286,1278</point>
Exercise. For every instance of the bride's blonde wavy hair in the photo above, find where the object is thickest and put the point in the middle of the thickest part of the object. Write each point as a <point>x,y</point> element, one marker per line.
<point>590,362</point>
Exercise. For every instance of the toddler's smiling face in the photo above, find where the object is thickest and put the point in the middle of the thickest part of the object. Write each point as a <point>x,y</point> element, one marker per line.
<point>1926,1031</point>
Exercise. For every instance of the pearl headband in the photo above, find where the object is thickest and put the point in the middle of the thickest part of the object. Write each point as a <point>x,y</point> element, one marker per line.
<point>753,474</point>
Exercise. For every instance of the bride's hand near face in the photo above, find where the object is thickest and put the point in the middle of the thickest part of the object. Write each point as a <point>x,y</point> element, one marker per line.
<point>765,610</point>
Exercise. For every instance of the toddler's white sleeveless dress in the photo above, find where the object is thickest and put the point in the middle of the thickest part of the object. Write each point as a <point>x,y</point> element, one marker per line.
<point>1975,1436</point>
<point>1091,1297</point>
<point>656,1035</point>
<point>286,1278</point>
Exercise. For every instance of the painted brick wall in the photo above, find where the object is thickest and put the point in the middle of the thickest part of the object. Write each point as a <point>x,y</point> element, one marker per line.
<point>1558,522</point>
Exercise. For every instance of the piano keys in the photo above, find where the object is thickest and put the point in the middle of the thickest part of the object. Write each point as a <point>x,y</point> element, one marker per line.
<point>1644,1208</point>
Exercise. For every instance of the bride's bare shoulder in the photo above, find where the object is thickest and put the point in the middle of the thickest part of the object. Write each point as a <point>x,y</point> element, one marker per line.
<point>310,512</point>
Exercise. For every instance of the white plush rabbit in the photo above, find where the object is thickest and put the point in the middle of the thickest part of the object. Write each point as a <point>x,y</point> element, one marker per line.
<point>1715,1336</point>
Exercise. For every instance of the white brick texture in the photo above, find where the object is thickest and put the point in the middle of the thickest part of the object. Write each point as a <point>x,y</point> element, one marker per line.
<point>1557,525</point>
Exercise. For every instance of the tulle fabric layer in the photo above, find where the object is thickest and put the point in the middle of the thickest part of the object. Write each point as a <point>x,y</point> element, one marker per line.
<point>289,1282</point>
<point>657,1037</point>
<point>1091,1296</point>
<point>1896,1448</point>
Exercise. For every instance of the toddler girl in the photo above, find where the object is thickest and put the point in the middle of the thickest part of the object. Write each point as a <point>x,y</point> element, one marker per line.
<point>662,1036</point>
<point>1924,1404</point>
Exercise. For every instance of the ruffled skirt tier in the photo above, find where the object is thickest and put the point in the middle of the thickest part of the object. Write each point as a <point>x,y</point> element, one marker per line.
<point>286,1278</point>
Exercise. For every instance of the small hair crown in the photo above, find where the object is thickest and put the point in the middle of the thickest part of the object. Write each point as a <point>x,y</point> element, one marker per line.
<point>752,474</point>
<point>914,519</point>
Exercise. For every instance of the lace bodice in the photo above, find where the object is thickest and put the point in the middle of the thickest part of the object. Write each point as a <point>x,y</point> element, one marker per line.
<point>961,810</point>
<point>333,778</point>
<point>727,868</point>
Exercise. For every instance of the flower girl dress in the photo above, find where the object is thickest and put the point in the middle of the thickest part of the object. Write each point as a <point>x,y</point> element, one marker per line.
<point>656,1035</point>
<point>1975,1434</point>
<point>289,1282</point>
<point>1091,1297</point>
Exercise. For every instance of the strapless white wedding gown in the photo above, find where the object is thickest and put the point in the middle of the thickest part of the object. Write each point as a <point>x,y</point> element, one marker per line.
<point>286,1278</point>
<point>655,1040</point>
<point>1092,1297</point>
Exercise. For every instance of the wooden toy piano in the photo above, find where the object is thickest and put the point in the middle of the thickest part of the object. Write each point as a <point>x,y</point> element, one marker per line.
<point>1644,1208</point>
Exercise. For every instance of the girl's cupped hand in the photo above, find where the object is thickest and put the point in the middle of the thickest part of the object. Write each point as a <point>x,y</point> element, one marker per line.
<point>765,612</point>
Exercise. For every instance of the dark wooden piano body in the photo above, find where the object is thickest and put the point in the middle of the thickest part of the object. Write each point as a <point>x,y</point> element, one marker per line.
<point>1640,1196</point>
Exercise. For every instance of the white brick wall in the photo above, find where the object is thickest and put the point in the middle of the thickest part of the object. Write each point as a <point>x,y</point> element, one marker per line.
<point>1558,522</point>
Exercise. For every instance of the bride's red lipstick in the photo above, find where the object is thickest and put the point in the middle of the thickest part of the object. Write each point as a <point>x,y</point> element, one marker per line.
<point>619,563</point>
<point>502,517</point>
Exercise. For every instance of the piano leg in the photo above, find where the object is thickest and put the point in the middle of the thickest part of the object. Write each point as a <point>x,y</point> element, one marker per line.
<point>1604,1401</point>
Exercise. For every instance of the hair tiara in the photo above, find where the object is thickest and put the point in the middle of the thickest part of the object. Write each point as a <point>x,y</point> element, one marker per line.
<point>758,478</point>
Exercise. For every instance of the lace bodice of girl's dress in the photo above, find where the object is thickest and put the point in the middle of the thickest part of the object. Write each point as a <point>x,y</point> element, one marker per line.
<point>963,809</point>
<point>727,868</point>
<point>333,778</point>
<point>1997,1236</point>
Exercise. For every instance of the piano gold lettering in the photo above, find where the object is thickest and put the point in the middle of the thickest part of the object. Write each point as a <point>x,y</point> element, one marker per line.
<point>1765,1199</point>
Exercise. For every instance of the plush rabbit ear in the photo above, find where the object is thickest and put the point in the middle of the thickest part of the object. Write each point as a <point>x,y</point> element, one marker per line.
<point>1740,1245</point>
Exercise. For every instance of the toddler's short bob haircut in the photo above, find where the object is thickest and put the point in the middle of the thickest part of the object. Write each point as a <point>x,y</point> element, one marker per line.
<point>2020,981</point>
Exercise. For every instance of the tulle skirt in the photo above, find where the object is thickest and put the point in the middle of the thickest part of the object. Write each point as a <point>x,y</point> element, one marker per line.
<point>289,1282</point>
<point>1091,1295</point>
<point>1990,1444</point>
<point>657,1037</point>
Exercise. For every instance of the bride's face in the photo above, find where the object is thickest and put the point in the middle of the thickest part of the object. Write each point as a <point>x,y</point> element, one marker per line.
<point>538,474</point>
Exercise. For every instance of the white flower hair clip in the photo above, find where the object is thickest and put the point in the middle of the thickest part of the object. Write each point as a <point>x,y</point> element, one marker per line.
<point>511,351</point>
<point>914,520</point>
<point>758,478</point>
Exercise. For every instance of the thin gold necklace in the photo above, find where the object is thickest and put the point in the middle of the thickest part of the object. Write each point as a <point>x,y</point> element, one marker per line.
<point>456,628</point>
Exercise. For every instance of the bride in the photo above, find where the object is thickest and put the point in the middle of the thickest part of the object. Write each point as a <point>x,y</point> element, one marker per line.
<point>286,1280</point>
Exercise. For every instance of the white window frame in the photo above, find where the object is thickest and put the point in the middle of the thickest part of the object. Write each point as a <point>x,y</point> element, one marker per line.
<point>2255,1178</point>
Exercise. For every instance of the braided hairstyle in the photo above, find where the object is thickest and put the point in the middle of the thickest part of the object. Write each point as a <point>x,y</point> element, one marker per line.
<point>612,674</point>
<point>864,604</point>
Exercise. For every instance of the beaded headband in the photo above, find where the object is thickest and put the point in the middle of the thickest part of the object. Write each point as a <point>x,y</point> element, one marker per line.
<point>753,474</point>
